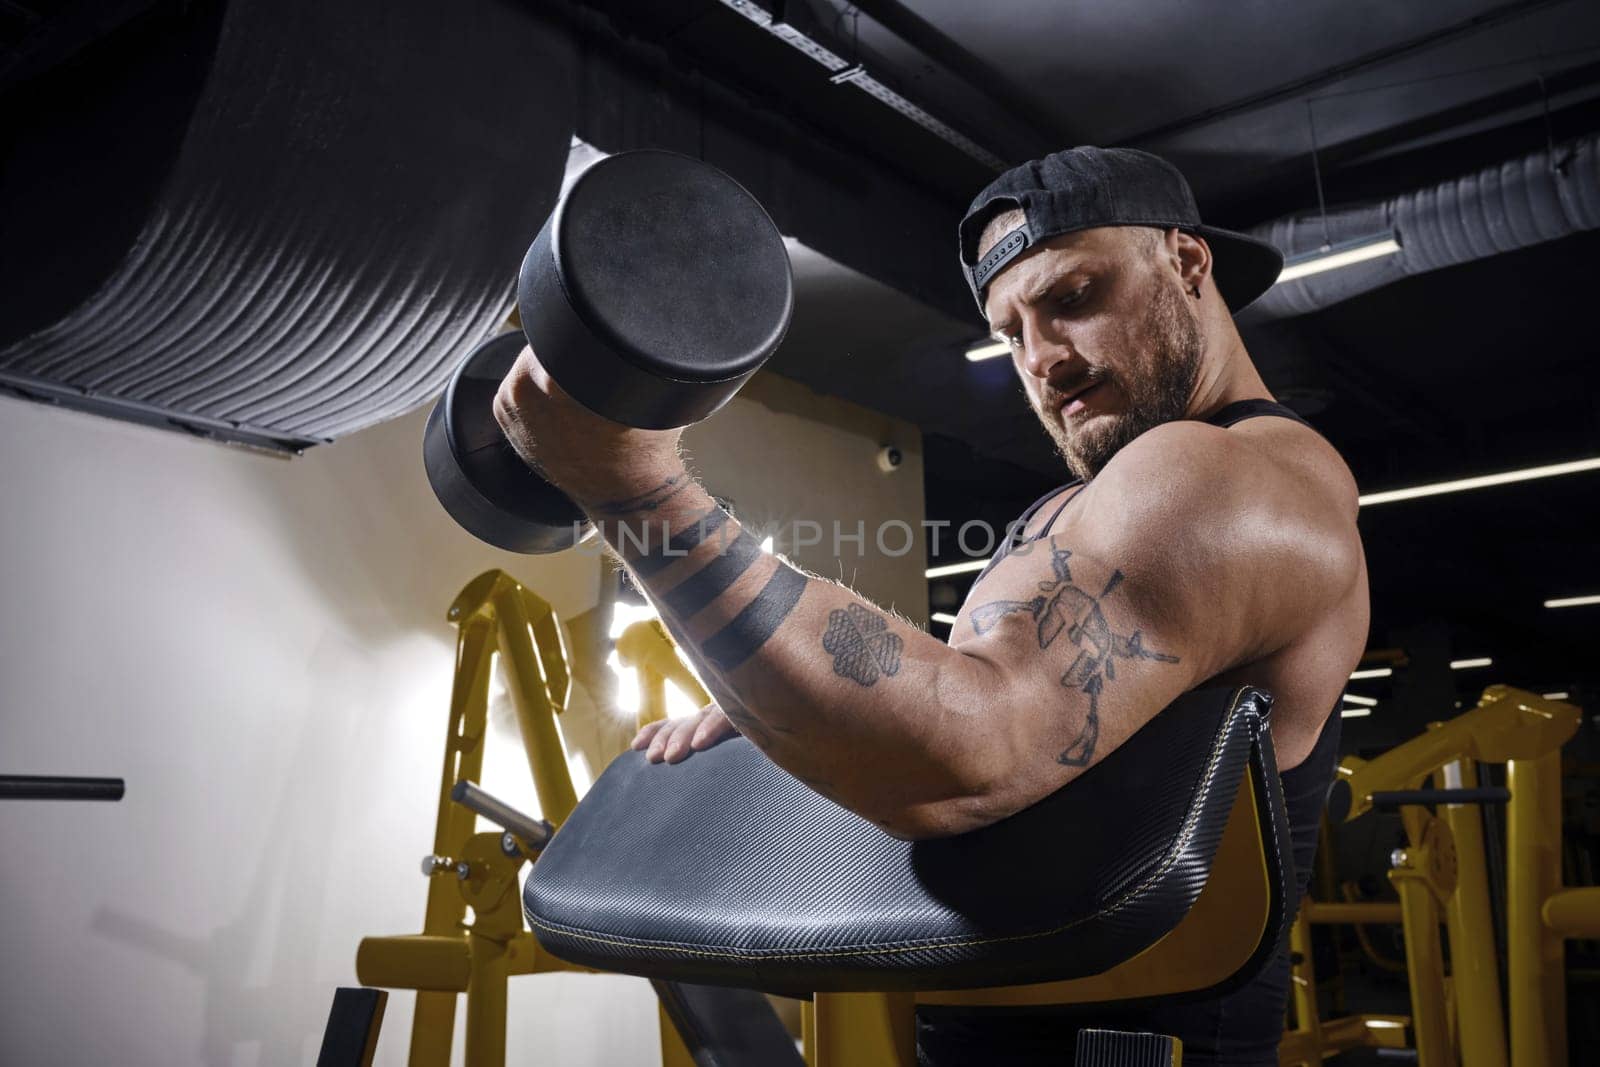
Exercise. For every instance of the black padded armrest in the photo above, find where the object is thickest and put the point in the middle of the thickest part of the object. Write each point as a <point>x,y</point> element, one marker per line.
<point>724,869</point>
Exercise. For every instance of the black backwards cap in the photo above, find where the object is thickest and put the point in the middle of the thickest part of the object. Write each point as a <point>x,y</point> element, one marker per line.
<point>1082,188</point>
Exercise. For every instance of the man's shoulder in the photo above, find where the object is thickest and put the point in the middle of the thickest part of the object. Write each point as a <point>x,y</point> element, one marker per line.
<point>1190,495</point>
<point>1195,467</point>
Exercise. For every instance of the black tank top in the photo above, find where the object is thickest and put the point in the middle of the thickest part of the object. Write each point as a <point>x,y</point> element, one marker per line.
<point>1241,1028</point>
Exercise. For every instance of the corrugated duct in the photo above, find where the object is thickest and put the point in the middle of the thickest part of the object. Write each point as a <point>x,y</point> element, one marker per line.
<point>344,219</point>
<point>1539,197</point>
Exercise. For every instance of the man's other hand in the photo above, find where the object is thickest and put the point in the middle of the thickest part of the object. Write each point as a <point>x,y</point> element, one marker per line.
<point>674,740</point>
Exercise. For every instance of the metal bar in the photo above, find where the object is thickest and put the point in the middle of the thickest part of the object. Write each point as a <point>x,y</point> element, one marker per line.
<point>1370,913</point>
<point>865,1030</point>
<point>433,1022</point>
<point>485,1017</point>
<point>422,962</point>
<point>1573,912</point>
<point>1474,970</point>
<point>1536,979</point>
<point>58,787</point>
<point>1393,798</point>
<point>674,1052</point>
<point>1424,960</point>
<point>535,832</point>
<point>1303,986</point>
<point>1507,724</point>
<point>536,712</point>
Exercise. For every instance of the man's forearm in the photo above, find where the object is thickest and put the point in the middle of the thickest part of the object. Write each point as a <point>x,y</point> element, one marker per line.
<point>834,689</point>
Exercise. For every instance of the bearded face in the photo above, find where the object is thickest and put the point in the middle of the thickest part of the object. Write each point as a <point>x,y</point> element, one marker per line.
<point>1148,383</point>
<point>1103,338</point>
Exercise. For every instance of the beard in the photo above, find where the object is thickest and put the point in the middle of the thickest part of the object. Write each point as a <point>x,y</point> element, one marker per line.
<point>1157,380</point>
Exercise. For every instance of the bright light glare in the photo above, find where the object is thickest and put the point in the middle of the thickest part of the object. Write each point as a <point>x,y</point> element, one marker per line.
<point>943,617</point>
<point>988,350</point>
<point>766,544</point>
<point>624,615</point>
<point>1468,664</point>
<point>1572,601</point>
<point>947,569</point>
<point>1482,481</point>
<point>1374,672</point>
<point>1335,258</point>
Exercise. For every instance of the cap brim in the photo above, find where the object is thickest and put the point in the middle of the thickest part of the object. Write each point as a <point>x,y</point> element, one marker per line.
<point>1244,267</point>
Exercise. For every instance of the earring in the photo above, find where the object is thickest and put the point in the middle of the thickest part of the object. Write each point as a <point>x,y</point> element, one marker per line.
<point>1194,291</point>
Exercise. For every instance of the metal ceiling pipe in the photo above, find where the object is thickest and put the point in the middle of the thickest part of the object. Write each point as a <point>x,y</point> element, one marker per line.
<point>1516,204</point>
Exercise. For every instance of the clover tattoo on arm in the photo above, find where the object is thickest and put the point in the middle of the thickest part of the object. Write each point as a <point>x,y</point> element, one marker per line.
<point>862,647</point>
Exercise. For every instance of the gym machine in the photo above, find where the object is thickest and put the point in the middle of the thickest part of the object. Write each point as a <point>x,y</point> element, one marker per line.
<point>497,614</point>
<point>1198,904</point>
<point>494,613</point>
<point>1442,874</point>
<point>788,893</point>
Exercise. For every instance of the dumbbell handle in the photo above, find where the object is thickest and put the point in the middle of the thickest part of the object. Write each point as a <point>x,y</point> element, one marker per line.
<point>535,832</point>
<point>56,787</point>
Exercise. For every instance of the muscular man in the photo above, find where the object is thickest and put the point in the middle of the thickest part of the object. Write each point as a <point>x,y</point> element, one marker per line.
<point>1209,537</point>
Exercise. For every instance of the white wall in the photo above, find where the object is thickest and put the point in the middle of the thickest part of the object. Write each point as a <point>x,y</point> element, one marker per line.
<point>260,648</point>
<point>780,452</point>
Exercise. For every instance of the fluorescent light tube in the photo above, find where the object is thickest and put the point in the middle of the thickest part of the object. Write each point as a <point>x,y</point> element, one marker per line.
<point>1572,601</point>
<point>1373,672</point>
<point>1482,481</point>
<point>1332,257</point>
<point>988,350</point>
<point>1354,713</point>
<point>1557,696</point>
<point>947,569</point>
<point>1352,698</point>
<point>1468,664</point>
<point>944,617</point>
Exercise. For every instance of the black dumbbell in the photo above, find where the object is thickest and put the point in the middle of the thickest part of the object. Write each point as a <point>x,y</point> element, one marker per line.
<point>654,290</point>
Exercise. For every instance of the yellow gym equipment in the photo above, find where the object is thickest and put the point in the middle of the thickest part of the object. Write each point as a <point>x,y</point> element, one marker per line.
<point>1457,1019</point>
<point>1230,923</point>
<point>497,614</point>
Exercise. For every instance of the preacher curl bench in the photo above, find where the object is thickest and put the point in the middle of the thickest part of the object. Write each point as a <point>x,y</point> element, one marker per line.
<point>1163,871</point>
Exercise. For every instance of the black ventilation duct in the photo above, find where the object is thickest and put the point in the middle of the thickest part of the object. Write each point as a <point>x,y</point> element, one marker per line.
<point>322,209</point>
<point>1539,197</point>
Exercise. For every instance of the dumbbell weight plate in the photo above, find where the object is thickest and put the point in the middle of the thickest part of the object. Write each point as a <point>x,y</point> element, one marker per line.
<point>655,289</point>
<point>478,477</point>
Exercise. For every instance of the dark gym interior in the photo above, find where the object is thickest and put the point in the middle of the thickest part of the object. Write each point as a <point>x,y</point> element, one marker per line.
<point>244,247</point>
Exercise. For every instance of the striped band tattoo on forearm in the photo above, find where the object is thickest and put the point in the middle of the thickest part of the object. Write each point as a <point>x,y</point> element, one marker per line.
<point>653,559</point>
<point>742,637</point>
<point>696,592</point>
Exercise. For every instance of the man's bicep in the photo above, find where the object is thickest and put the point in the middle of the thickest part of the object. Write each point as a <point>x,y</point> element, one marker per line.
<point>1083,665</point>
<point>1239,553</point>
